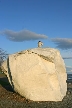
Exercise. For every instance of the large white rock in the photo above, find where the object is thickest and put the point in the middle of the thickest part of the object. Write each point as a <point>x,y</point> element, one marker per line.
<point>38,74</point>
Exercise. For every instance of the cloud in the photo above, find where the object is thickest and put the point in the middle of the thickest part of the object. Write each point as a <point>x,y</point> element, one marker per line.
<point>67,57</point>
<point>23,35</point>
<point>63,43</point>
<point>68,66</point>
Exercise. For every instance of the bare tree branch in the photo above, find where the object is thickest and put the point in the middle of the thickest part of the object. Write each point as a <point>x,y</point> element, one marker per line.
<point>3,55</point>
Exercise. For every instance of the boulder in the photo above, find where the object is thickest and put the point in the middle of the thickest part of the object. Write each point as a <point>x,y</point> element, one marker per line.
<point>38,74</point>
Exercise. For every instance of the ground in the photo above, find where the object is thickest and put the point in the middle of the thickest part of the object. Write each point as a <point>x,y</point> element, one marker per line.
<point>10,99</point>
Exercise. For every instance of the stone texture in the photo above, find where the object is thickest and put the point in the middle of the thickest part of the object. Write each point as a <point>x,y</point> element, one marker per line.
<point>38,74</point>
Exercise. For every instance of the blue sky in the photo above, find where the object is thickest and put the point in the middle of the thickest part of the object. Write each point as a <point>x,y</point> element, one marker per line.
<point>24,22</point>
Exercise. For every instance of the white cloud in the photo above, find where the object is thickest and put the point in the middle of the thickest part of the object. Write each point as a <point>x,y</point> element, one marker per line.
<point>23,35</point>
<point>63,43</point>
<point>68,66</point>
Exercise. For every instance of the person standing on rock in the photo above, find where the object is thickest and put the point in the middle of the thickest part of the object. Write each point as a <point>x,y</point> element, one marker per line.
<point>40,44</point>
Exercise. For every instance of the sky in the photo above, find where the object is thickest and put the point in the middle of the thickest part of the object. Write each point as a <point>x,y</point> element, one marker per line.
<point>25,22</point>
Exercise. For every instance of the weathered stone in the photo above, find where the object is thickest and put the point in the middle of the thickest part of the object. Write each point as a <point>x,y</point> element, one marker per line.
<point>38,74</point>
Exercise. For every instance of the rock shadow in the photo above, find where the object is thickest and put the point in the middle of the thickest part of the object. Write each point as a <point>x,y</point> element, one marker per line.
<point>5,84</point>
<point>4,80</point>
<point>9,73</point>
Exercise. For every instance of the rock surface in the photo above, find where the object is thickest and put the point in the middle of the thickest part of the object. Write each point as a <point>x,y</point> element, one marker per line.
<point>37,74</point>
